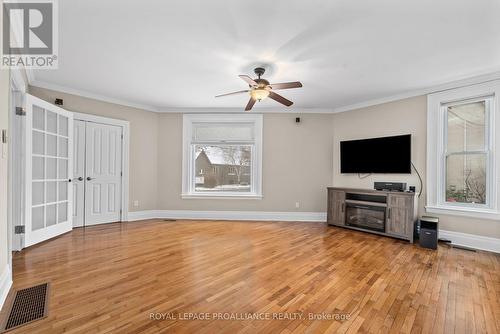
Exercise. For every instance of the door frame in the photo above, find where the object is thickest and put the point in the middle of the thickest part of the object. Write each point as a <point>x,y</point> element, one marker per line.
<point>125,125</point>
<point>18,87</point>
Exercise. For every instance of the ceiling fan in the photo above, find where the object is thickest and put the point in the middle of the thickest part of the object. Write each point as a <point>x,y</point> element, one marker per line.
<point>261,89</point>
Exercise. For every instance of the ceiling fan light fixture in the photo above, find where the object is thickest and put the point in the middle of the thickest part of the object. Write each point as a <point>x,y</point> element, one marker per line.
<point>260,89</point>
<point>259,94</point>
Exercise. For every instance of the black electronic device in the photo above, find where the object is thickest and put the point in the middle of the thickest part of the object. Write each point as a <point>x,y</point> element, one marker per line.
<point>376,155</point>
<point>428,236</point>
<point>390,186</point>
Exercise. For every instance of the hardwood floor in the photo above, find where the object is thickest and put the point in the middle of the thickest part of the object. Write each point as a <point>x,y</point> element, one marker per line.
<point>111,278</point>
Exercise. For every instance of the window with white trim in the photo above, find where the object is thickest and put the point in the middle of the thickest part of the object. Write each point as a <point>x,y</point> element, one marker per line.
<point>461,151</point>
<point>222,156</point>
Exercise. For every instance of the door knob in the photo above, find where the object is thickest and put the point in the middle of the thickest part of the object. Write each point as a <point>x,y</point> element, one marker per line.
<point>80,178</point>
<point>89,178</point>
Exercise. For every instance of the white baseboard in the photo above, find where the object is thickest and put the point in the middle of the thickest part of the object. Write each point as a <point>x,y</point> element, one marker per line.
<point>457,238</point>
<point>471,240</point>
<point>228,215</point>
<point>5,284</point>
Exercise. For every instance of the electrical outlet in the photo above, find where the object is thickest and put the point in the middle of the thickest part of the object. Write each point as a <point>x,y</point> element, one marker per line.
<point>136,203</point>
<point>297,205</point>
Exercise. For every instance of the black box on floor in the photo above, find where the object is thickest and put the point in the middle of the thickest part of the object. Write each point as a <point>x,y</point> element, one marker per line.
<point>429,227</point>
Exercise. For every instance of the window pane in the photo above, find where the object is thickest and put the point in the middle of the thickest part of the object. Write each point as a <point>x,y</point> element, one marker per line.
<point>63,147</point>
<point>37,218</point>
<point>38,193</point>
<point>63,191</point>
<point>38,167</point>
<point>51,122</point>
<point>466,178</point>
<point>51,169</point>
<point>38,144</point>
<point>63,125</point>
<point>466,127</point>
<point>38,118</point>
<point>51,145</point>
<point>221,168</point>
<point>50,212</point>
<point>62,215</point>
<point>63,169</point>
<point>51,191</point>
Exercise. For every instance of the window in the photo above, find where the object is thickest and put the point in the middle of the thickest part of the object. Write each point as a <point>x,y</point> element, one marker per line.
<point>461,151</point>
<point>467,152</point>
<point>222,156</point>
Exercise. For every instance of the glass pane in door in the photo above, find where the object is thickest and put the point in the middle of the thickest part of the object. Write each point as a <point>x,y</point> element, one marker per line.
<point>51,122</point>
<point>38,118</point>
<point>37,218</point>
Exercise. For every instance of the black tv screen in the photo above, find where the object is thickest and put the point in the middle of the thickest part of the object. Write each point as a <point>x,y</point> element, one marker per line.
<point>376,155</point>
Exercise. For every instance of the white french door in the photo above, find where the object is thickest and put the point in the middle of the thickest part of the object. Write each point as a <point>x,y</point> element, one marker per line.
<point>49,149</point>
<point>97,180</point>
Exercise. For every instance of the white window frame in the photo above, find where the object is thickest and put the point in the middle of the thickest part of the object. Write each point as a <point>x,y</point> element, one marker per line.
<point>437,104</point>
<point>188,155</point>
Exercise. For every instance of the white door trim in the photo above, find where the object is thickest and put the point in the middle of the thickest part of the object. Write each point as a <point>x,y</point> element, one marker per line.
<point>125,125</point>
<point>16,157</point>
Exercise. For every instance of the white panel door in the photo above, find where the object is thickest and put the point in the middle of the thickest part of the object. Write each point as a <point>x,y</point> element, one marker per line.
<point>49,149</point>
<point>78,173</point>
<point>103,173</point>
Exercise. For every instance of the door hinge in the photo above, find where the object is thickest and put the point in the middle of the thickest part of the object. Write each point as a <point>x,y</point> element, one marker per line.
<point>19,229</point>
<point>20,111</point>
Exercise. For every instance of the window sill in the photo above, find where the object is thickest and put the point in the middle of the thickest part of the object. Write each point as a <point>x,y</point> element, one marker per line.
<point>464,212</point>
<point>221,196</point>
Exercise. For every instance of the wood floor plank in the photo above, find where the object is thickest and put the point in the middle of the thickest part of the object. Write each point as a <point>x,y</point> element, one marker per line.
<point>113,278</point>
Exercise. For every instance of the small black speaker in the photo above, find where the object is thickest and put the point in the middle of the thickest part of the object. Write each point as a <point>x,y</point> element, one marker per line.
<point>412,189</point>
<point>297,119</point>
<point>428,236</point>
<point>58,102</point>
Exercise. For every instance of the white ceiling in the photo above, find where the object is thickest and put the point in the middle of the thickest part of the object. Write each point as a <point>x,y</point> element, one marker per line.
<point>180,53</point>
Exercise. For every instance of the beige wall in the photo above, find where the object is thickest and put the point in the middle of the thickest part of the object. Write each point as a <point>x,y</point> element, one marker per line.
<point>400,117</point>
<point>296,167</point>
<point>143,142</point>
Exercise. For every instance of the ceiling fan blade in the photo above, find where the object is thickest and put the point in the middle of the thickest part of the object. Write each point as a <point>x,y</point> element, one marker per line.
<point>286,85</point>
<point>233,93</point>
<point>250,104</point>
<point>280,99</point>
<point>248,80</point>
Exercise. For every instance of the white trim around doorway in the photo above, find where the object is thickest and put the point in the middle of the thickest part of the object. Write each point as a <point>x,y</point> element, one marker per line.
<point>125,125</point>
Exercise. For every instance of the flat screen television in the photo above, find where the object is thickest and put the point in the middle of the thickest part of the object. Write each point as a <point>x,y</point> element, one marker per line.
<point>376,155</point>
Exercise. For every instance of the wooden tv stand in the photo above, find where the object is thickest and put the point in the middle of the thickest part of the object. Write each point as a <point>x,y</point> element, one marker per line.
<point>386,213</point>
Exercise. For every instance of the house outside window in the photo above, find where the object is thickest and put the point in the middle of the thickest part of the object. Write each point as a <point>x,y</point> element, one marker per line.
<point>462,151</point>
<point>222,156</point>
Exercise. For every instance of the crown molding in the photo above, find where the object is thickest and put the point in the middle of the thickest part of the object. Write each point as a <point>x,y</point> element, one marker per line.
<point>90,95</point>
<point>293,110</point>
<point>459,82</point>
